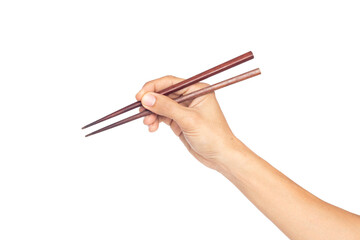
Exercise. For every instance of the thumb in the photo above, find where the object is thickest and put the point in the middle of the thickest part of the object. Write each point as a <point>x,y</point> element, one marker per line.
<point>164,106</point>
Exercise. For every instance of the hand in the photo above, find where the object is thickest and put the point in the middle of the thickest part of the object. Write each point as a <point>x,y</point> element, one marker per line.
<point>202,128</point>
<point>199,123</point>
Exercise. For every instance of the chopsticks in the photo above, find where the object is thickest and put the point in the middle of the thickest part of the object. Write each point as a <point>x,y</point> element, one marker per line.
<point>183,84</point>
<point>197,78</point>
<point>189,96</point>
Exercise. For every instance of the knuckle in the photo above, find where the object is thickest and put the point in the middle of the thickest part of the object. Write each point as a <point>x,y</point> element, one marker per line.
<point>168,76</point>
<point>147,84</point>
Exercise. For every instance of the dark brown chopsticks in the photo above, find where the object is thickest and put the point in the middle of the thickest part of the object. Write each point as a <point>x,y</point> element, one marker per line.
<point>206,74</point>
<point>189,96</point>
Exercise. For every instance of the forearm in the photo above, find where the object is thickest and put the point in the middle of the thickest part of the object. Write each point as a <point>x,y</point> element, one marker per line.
<point>296,212</point>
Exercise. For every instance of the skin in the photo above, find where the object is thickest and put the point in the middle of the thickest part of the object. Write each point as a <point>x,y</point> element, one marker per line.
<point>295,211</point>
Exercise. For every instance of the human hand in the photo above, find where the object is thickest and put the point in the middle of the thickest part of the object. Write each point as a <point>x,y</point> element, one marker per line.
<point>201,126</point>
<point>199,123</point>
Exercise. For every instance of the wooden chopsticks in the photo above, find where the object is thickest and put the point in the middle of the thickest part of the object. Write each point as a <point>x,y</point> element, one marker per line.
<point>215,70</point>
<point>183,98</point>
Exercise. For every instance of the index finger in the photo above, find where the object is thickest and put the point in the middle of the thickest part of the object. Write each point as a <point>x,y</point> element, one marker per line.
<point>157,85</point>
<point>164,82</point>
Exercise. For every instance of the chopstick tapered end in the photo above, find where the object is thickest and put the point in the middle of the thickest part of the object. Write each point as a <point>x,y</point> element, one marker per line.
<point>89,125</point>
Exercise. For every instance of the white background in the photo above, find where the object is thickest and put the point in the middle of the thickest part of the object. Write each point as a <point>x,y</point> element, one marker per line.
<point>64,64</point>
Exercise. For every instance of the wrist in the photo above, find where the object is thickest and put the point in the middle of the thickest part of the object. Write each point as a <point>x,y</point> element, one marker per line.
<point>235,159</point>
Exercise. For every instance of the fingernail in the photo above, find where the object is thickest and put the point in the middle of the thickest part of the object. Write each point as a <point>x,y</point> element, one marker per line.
<point>148,100</point>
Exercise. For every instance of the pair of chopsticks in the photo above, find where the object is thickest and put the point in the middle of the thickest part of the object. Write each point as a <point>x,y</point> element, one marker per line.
<point>187,82</point>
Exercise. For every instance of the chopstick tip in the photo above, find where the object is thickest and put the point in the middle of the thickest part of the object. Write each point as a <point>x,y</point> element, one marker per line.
<point>92,133</point>
<point>86,126</point>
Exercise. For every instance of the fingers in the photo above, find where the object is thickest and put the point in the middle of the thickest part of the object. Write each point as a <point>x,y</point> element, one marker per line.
<point>157,85</point>
<point>164,106</point>
<point>167,81</point>
<point>150,119</point>
<point>154,126</point>
<point>153,123</point>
